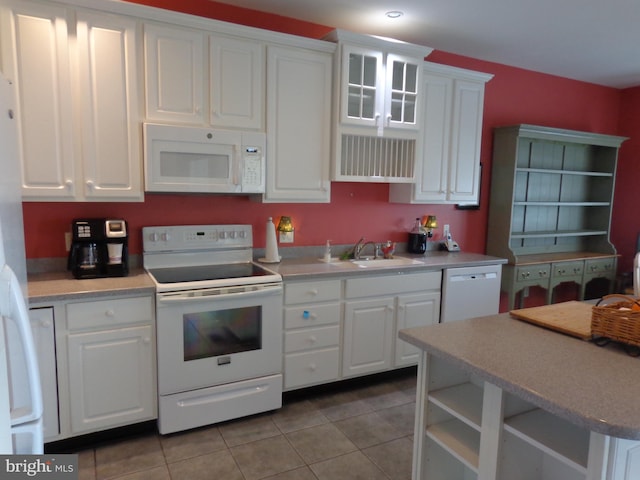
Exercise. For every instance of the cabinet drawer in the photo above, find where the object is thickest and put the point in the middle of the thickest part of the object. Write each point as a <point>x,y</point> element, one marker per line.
<point>311,315</point>
<point>567,269</point>
<point>311,338</point>
<point>107,313</point>
<point>378,285</point>
<point>600,265</point>
<point>305,292</point>
<point>533,272</point>
<point>309,368</point>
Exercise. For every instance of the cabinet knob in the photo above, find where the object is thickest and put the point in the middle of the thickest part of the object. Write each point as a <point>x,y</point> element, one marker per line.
<point>313,367</point>
<point>313,339</point>
<point>110,313</point>
<point>45,323</point>
<point>146,340</point>
<point>313,291</point>
<point>68,184</point>
<point>90,184</point>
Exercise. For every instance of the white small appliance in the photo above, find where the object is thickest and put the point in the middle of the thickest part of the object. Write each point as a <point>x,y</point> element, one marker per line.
<point>203,160</point>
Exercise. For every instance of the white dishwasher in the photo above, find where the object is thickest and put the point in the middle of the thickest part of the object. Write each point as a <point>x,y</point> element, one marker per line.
<point>470,292</point>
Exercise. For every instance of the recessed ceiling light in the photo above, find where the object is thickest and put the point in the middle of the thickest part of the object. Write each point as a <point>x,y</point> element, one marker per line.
<point>394,14</point>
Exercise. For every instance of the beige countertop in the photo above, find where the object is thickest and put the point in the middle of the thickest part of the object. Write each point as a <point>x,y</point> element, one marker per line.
<point>594,387</point>
<point>58,286</point>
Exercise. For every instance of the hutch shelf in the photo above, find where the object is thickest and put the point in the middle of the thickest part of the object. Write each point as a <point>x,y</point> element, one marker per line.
<point>550,209</point>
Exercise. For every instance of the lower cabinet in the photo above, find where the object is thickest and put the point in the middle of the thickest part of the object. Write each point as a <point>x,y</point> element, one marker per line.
<point>105,361</point>
<point>375,308</point>
<point>343,328</point>
<point>472,429</point>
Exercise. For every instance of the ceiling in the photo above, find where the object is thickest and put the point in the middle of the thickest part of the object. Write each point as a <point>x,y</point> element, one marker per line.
<point>590,40</point>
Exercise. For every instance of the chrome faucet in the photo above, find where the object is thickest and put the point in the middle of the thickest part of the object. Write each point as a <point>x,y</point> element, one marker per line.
<point>360,246</point>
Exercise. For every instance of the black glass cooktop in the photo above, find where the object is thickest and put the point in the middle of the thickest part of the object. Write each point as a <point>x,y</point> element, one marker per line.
<point>207,272</point>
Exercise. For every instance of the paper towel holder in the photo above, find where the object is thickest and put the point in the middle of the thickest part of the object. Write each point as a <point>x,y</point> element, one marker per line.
<point>285,230</point>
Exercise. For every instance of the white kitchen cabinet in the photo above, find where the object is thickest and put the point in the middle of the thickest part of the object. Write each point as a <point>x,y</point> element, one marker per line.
<point>109,121</point>
<point>449,167</point>
<point>299,83</point>
<point>174,74</point>
<point>375,309</point>
<point>199,79</point>
<point>237,82</point>
<point>42,327</point>
<point>76,81</point>
<point>378,100</point>
<point>414,310</point>
<point>109,360</point>
<point>311,332</point>
<point>471,429</point>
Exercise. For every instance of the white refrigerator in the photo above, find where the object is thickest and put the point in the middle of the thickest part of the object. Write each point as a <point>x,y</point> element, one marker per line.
<point>20,390</point>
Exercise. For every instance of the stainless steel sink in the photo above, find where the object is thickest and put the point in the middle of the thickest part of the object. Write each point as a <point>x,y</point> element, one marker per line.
<point>385,262</point>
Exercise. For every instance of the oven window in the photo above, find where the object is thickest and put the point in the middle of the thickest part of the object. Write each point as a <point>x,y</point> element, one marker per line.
<point>222,332</point>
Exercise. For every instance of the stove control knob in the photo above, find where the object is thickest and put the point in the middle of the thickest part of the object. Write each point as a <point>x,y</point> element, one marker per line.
<point>223,235</point>
<point>154,237</point>
<point>165,236</point>
<point>233,234</point>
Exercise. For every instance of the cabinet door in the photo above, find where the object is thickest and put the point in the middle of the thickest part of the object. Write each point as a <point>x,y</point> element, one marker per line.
<point>236,82</point>
<point>362,87</point>
<point>36,59</point>
<point>111,378</point>
<point>464,175</point>
<point>298,125</point>
<point>109,107</point>
<point>368,336</point>
<point>401,92</point>
<point>174,63</point>
<point>434,171</point>
<point>416,310</point>
<point>45,343</point>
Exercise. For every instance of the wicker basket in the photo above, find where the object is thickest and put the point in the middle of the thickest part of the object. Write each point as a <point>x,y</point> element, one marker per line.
<point>616,320</point>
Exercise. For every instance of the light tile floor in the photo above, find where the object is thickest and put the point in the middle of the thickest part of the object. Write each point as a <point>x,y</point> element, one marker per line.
<point>355,431</point>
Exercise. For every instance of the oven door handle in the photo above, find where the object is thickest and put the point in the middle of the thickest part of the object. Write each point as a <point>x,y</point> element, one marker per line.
<point>217,294</point>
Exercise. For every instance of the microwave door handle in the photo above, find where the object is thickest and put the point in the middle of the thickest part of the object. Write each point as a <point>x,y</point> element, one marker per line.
<point>236,164</point>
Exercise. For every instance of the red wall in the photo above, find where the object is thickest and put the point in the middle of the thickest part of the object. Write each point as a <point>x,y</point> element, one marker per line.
<point>512,96</point>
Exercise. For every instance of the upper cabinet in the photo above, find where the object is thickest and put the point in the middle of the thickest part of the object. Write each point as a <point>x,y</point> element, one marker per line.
<point>174,74</point>
<point>377,102</point>
<point>200,79</point>
<point>448,169</point>
<point>299,82</point>
<point>77,88</point>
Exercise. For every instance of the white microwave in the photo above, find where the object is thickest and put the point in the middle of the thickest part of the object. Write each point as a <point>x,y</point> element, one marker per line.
<point>203,160</point>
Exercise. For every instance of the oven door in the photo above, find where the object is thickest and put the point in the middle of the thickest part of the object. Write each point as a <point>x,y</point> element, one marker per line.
<point>220,335</point>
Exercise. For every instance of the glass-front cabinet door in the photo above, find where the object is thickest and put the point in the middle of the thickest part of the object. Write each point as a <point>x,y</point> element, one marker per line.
<point>362,89</point>
<point>379,90</point>
<point>402,94</point>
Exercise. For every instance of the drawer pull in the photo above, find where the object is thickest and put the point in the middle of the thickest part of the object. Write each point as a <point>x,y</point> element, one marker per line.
<point>313,367</point>
<point>110,313</point>
<point>313,291</point>
<point>313,339</point>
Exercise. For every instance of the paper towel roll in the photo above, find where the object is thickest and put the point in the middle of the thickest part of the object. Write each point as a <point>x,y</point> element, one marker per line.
<point>271,249</point>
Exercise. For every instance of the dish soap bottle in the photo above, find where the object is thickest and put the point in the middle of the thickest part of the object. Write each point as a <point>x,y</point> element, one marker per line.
<point>417,238</point>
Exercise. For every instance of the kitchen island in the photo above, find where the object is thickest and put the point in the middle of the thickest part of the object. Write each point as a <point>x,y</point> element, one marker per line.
<point>501,399</point>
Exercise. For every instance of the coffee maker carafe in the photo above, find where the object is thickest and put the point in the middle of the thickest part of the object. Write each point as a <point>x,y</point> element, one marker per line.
<point>99,248</point>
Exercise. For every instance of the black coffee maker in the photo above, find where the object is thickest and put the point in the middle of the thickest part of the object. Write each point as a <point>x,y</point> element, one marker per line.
<point>99,248</point>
